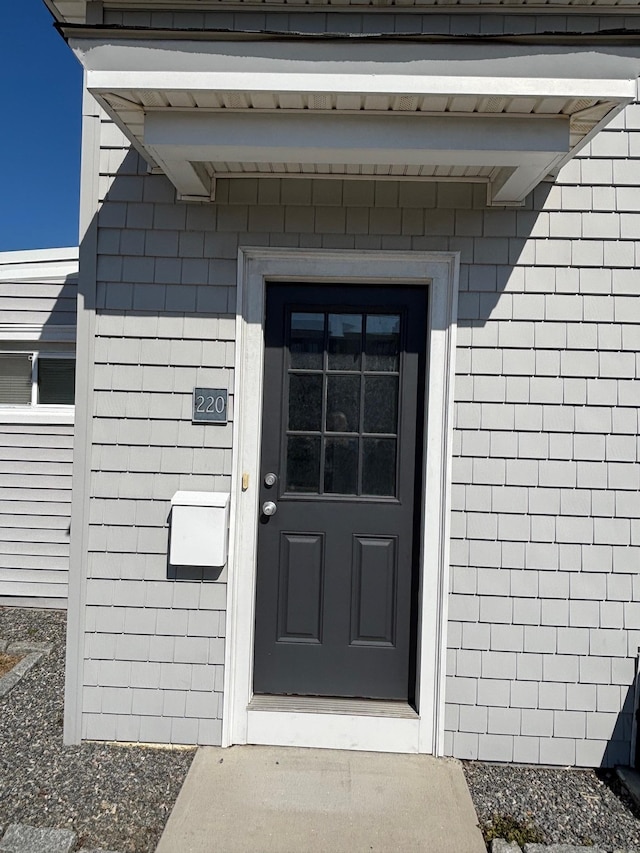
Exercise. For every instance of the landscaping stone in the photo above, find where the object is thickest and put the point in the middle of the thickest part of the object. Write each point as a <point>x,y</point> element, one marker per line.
<point>573,806</point>
<point>112,797</point>
<point>22,648</point>
<point>95,850</point>
<point>20,838</point>
<point>560,848</point>
<point>9,681</point>
<point>499,845</point>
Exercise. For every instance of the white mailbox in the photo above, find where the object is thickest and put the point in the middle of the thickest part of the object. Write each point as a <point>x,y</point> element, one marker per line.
<point>199,529</point>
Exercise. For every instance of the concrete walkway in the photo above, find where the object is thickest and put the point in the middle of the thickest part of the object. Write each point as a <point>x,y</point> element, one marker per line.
<point>288,800</point>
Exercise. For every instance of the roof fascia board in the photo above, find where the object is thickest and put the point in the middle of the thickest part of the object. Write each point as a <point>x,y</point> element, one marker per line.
<point>398,68</point>
<point>103,82</point>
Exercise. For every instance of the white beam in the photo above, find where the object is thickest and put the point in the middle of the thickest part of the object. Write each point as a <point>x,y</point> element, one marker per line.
<point>480,140</point>
<point>190,179</point>
<point>513,186</point>
<point>523,149</point>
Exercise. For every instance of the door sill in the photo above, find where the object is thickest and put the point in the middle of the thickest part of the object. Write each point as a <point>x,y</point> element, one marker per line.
<point>359,724</point>
<point>332,705</point>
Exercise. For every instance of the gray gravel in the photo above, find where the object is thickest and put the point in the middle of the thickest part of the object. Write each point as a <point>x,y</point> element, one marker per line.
<point>113,797</point>
<point>567,806</point>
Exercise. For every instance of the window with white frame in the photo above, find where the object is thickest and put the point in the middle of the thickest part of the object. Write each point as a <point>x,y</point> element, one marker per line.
<point>37,379</point>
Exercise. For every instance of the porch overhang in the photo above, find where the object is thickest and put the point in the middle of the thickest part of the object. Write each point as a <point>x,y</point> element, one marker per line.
<point>504,115</point>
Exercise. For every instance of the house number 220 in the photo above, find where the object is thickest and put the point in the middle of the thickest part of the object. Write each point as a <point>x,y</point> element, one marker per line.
<point>210,405</point>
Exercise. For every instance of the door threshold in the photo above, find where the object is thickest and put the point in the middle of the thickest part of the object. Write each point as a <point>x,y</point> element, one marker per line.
<point>333,705</point>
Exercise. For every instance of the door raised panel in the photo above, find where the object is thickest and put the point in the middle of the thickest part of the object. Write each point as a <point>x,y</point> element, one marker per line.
<point>373,600</point>
<point>300,588</point>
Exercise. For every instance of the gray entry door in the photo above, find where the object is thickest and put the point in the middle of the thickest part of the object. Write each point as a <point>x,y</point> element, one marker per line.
<point>342,433</point>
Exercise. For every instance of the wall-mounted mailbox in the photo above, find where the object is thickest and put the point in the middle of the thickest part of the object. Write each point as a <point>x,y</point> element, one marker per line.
<point>199,529</point>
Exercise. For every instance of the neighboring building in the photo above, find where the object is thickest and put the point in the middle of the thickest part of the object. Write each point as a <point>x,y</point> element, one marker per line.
<point>37,367</point>
<point>395,249</point>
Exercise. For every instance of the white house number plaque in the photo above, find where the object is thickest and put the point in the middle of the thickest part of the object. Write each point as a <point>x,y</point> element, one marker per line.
<point>209,405</point>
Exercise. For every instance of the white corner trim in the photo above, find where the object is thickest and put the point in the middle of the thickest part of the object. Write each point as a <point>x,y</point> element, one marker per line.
<point>438,272</point>
<point>78,570</point>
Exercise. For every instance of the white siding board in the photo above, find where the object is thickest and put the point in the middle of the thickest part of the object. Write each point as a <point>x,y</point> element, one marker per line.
<point>37,590</point>
<point>17,562</point>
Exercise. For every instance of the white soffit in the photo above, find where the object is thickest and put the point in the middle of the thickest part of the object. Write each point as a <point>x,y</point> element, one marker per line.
<point>505,115</point>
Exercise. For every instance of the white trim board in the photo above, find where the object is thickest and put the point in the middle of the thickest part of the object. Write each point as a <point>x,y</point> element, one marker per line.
<point>78,551</point>
<point>439,272</point>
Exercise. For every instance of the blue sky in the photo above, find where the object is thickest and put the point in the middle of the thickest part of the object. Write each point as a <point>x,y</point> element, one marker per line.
<point>40,139</point>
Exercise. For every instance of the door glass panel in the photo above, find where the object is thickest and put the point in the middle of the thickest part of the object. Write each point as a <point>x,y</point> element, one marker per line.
<point>303,463</point>
<point>343,403</point>
<point>379,466</point>
<point>305,401</point>
<point>348,397</point>
<point>341,466</point>
<point>345,341</point>
<point>381,404</point>
<point>382,348</point>
<point>306,341</point>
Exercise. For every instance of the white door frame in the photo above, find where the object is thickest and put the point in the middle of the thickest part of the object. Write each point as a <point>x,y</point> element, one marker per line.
<point>425,731</point>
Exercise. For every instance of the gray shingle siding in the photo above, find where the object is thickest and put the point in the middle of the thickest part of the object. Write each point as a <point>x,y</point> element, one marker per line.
<point>543,606</point>
<point>544,612</point>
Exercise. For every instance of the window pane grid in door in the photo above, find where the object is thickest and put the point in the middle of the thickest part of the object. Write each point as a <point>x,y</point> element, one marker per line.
<point>382,342</point>
<point>343,403</point>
